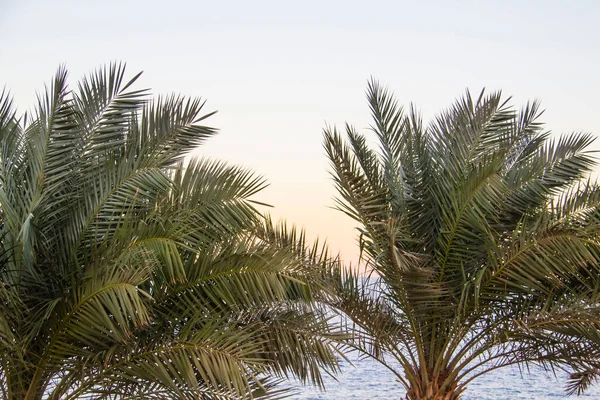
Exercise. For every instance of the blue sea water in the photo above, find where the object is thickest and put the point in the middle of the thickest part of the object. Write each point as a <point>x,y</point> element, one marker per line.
<point>368,380</point>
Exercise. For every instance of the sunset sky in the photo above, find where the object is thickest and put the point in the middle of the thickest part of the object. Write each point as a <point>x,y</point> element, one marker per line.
<point>278,72</point>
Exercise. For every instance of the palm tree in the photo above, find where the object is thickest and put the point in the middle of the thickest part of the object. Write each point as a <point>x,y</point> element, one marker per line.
<point>479,239</point>
<point>125,273</point>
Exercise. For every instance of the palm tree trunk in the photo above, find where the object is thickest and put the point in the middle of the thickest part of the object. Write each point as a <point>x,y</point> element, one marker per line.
<point>433,389</point>
<point>431,395</point>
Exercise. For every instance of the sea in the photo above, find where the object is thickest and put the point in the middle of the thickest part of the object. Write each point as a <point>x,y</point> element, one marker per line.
<point>367,379</point>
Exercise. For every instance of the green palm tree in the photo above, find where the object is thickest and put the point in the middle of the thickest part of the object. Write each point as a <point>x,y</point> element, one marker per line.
<point>479,237</point>
<point>125,273</point>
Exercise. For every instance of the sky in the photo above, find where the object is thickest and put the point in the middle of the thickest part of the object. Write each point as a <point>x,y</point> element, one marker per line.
<point>278,72</point>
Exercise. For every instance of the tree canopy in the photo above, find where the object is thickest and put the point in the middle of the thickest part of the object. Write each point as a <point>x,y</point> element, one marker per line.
<point>126,272</point>
<point>479,234</point>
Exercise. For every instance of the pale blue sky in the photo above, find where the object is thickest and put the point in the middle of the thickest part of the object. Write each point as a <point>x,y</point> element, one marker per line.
<point>279,71</point>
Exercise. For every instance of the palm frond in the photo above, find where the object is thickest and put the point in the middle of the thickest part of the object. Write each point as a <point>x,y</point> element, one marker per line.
<point>483,234</point>
<point>127,273</point>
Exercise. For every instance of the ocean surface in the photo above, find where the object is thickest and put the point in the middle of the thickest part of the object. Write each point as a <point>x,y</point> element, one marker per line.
<point>367,380</point>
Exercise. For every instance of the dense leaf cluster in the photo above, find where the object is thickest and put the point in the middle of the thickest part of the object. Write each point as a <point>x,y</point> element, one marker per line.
<point>480,237</point>
<point>127,273</point>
